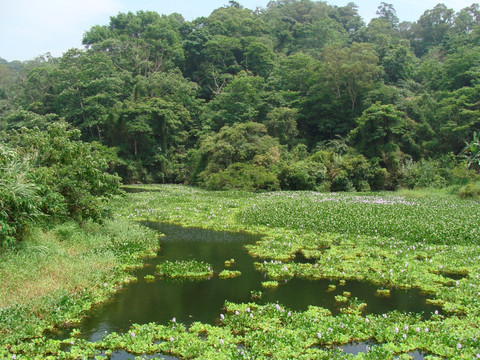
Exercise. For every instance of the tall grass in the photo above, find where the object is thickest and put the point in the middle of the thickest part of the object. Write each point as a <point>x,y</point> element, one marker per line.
<point>70,266</point>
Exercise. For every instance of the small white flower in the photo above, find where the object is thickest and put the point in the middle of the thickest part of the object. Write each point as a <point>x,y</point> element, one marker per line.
<point>222,316</point>
<point>174,319</point>
<point>459,346</point>
<point>132,334</point>
<point>236,312</point>
<point>319,335</point>
<point>221,341</point>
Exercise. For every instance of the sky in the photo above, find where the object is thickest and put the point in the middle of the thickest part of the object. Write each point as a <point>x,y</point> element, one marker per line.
<point>30,28</point>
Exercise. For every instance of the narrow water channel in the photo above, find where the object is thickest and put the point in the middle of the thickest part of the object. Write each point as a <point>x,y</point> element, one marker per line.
<point>161,300</point>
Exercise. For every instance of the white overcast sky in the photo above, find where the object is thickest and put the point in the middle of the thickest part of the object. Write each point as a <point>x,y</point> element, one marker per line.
<point>29,28</point>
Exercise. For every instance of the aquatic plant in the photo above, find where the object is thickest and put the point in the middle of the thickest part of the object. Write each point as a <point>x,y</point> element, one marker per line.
<point>269,284</point>
<point>184,269</point>
<point>226,274</point>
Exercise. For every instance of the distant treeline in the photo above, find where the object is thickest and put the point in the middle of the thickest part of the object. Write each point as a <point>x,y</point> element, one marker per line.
<point>299,95</point>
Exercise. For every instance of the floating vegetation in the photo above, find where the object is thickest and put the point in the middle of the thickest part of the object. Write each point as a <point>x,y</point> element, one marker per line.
<point>184,269</point>
<point>149,278</point>
<point>227,274</point>
<point>270,284</point>
<point>256,294</point>
<point>383,292</point>
<point>331,287</point>
<point>230,262</point>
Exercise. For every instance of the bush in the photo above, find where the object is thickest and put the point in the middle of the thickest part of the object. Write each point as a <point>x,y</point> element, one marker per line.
<point>426,173</point>
<point>471,190</point>
<point>51,173</point>
<point>243,177</point>
<point>19,200</point>
<point>71,175</point>
<point>302,175</point>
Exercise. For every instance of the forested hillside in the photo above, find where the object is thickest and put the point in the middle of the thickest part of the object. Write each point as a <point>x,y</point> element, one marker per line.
<point>299,95</point>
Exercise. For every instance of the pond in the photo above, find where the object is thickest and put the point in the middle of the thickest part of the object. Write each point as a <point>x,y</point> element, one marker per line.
<point>202,300</point>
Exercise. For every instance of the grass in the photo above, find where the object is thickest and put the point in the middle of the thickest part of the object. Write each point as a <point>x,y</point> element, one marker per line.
<point>55,276</point>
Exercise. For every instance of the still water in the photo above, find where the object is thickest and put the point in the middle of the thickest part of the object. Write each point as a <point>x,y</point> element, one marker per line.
<point>202,300</point>
<point>188,301</point>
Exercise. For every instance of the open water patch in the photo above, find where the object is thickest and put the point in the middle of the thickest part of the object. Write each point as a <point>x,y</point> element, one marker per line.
<point>188,301</point>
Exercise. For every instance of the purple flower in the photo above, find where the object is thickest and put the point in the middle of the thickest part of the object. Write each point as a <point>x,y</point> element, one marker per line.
<point>132,334</point>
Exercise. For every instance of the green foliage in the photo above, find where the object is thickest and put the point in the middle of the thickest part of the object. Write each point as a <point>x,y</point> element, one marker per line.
<point>184,269</point>
<point>471,190</point>
<point>157,88</point>
<point>19,196</point>
<point>432,173</point>
<point>244,143</point>
<point>328,171</point>
<point>243,177</point>
<point>52,173</point>
<point>471,152</point>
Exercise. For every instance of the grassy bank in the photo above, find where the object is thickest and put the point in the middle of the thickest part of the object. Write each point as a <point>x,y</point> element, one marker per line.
<point>430,243</point>
<point>53,277</point>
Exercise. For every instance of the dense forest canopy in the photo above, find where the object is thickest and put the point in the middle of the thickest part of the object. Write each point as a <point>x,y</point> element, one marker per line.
<point>298,95</point>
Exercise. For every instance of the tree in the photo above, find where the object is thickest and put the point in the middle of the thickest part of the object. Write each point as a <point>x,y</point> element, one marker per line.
<point>350,71</point>
<point>240,101</point>
<point>240,143</point>
<point>281,124</point>
<point>431,28</point>
<point>88,87</point>
<point>388,13</point>
<point>377,128</point>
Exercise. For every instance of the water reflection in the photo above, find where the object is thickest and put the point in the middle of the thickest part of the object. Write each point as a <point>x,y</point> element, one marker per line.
<point>161,300</point>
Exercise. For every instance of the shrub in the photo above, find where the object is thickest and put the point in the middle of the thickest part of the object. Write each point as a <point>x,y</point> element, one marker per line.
<point>471,190</point>
<point>303,175</point>
<point>71,175</point>
<point>19,200</point>
<point>50,172</point>
<point>243,177</point>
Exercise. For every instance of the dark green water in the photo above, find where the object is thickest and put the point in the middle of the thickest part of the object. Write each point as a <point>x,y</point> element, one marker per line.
<point>188,301</point>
